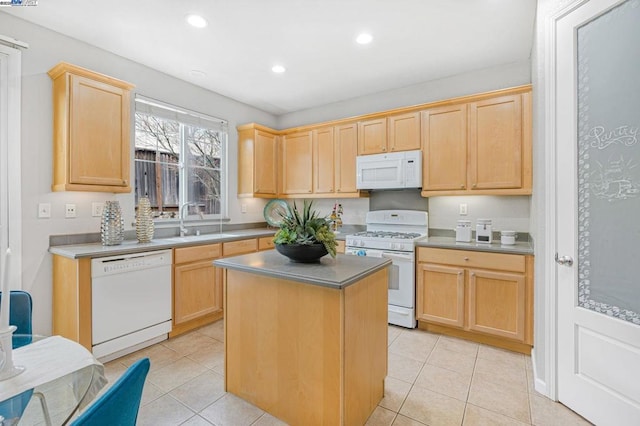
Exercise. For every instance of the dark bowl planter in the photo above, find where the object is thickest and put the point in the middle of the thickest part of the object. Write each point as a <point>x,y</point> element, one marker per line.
<point>302,253</point>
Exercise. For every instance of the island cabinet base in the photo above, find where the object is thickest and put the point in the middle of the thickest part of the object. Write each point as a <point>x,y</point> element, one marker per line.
<point>306,354</point>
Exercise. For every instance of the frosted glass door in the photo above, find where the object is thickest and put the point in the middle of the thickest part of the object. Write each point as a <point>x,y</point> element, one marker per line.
<point>608,96</point>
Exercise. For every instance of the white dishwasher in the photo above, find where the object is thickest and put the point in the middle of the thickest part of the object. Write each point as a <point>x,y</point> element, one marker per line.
<point>130,301</point>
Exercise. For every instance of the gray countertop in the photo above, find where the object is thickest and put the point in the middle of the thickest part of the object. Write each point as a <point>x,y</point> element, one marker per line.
<point>519,247</point>
<point>334,273</point>
<point>77,251</point>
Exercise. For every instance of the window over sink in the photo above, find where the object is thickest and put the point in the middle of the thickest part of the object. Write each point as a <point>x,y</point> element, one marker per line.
<point>180,160</point>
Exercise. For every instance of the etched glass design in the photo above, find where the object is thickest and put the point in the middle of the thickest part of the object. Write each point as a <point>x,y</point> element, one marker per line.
<point>608,93</point>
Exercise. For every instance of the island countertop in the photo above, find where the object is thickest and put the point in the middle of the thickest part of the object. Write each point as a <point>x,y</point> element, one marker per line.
<point>335,273</point>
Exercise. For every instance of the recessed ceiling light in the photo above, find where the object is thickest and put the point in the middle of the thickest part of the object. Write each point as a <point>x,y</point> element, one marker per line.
<point>279,69</point>
<point>197,73</point>
<point>196,21</point>
<point>364,38</point>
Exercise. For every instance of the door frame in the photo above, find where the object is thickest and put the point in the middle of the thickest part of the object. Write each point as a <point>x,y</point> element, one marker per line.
<point>548,385</point>
<point>10,143</point>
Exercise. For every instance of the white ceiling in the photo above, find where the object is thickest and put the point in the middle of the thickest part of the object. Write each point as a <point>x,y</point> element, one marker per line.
<point>414,41</point>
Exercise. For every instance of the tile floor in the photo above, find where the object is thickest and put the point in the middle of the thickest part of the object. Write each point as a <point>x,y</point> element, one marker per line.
<point>433,380</point>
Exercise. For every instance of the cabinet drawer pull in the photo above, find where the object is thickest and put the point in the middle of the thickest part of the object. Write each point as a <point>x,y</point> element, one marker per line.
<point>466,258</point>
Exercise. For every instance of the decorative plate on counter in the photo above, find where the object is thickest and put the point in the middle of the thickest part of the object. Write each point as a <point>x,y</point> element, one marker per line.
<point>274,211</point>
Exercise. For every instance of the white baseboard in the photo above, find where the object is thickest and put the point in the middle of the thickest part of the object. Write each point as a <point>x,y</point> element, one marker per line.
<point>539,385</point>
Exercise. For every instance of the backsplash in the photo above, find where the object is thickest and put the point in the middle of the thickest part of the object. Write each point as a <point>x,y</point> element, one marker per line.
<point>506,213</point>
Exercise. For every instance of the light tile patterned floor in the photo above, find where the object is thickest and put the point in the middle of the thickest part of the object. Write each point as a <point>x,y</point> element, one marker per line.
<point>433,380</point>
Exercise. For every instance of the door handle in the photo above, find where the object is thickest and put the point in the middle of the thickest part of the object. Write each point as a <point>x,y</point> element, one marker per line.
<point>564,260</point>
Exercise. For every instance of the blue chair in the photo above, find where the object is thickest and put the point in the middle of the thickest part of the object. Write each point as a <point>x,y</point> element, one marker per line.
<point>20,314</point>
<point>119,405</point>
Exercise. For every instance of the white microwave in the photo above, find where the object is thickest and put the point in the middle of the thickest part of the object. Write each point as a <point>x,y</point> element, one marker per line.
<point>389,171</point>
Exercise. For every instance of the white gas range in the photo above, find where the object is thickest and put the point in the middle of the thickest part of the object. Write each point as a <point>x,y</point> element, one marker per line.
<point>393,234</point>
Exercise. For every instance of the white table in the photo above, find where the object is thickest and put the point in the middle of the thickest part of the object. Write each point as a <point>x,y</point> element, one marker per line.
<point>66,373</point>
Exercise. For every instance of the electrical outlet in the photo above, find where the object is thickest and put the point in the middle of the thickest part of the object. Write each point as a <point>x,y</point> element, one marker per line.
<point>44,210</point>
<point>96,209</point>
<point>463,209</point>
<point>243,208</point>
<point>69,211</point>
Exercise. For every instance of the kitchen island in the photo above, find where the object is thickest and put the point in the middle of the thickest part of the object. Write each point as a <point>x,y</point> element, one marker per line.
<point>306,342</point>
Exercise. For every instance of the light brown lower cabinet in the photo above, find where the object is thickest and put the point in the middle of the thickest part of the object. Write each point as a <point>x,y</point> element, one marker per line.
<point>485,297</point>
<point>235,248</point>
<point>265,243</point>
<point>197,284</point>
<point>197,287</point>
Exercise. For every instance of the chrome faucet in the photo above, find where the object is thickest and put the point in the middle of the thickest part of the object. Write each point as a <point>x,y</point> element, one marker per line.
<point>184,207</point>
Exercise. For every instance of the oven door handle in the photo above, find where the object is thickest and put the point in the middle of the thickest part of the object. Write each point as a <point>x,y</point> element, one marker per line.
<point>394,256</point>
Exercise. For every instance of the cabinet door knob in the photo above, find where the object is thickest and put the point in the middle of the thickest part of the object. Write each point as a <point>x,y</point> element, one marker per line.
<point>474,185</point>
<point>384,149</point>
<point>473,274</point>
<point>462,186</point>
<point>460,273</point>
<point>338,189</point>
<point>466,258</point>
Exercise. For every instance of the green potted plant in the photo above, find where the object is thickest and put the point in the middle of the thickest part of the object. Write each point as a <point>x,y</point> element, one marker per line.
<point>304,236</point>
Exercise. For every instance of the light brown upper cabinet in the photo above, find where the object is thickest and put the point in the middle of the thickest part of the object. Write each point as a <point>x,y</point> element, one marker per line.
<point>324,170</point>
<point>444,139</point>
<point>495,143</point>
<point>257,162</point>
<point>297,163</point>
<point>372,136</point>
<point>320,163</point>
<point>91,128</point>
<point>346,147</point>
<point>388,134</point>
<point>481,147</point>
<point>404,132</point>
<point>472,145</point>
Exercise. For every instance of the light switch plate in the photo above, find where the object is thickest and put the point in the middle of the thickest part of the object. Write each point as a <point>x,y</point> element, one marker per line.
<point>96,209</point>
<point>69,211</point>
<point>463,209</point>
<point>243,208</point>
<point>44,210</point>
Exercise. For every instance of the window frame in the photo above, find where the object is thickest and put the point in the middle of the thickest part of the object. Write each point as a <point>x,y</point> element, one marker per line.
<point>185,117</point>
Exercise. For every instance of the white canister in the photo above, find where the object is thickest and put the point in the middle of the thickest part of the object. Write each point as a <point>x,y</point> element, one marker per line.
<point>483,231</point>
<point>508,238</point>
<point>463,231</point>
